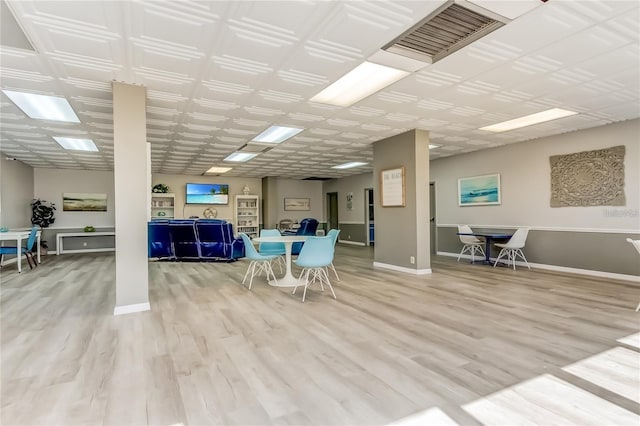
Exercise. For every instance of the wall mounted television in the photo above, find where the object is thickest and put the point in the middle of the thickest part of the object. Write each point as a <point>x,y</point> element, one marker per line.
<point>207,193</point>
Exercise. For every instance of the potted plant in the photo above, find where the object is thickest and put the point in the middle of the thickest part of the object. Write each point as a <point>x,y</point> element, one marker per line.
<point>160,188</point>
<point>42,212</point>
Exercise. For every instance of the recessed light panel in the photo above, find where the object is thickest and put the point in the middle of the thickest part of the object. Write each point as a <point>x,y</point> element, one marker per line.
<point>349,165</point>
<point>364,80</point>
<point>240,157</point>
<point>43,107</point>
<point>276,134</point>
<point>434,146</point>
<point>529,120</point>
<point>76,144</point>
<point>218,170</point>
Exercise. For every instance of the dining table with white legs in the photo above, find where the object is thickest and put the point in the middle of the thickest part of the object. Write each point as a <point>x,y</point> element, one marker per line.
<point>288,280</point>
<point>18,236</point>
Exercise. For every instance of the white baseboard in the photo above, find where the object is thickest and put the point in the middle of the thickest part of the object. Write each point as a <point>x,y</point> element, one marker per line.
<point>600,274</point>
<point>353,243</point>
<point>402,268</point>
<point>130,309</point>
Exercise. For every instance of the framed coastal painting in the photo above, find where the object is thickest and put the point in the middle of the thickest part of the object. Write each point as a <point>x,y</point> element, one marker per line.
<point>479,190</point>
<point>297,204</point>
<point>84,202</point>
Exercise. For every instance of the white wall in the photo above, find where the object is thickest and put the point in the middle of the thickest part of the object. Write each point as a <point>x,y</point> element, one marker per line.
<point>50,184</point>
<point>526,184</point>
<point>177,185</point>
<point>16,193</point>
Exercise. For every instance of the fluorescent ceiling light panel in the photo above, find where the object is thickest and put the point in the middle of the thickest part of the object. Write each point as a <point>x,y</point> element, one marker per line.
<point>277,134</point>
<point>76,144</point>
<point>240,157</point>
<point>364,80</point>
<point>218,170</point>
<point>43,107</point>
<point>434,146</point>
<point>529,120</point>
<point>349,165</point>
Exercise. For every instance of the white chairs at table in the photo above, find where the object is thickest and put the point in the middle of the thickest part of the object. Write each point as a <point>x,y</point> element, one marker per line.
<point>470,243</point>
<point>513,248</point>
<point>259,262</point>
<point>314,258</point>
<point>636,244</point>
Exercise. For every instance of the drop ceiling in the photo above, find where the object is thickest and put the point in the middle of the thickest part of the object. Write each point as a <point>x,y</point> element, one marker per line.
<point>219,73</point>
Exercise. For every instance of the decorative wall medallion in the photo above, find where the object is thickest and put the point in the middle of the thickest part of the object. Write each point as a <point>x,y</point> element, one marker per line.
<point>588,178</point>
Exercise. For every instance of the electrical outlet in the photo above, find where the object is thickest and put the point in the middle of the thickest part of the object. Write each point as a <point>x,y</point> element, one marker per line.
<point>412,260</point>
<point>84,244</point>
<point>348,237</point>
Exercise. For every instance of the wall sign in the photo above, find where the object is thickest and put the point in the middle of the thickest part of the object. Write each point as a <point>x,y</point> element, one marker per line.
<point>392,187</point>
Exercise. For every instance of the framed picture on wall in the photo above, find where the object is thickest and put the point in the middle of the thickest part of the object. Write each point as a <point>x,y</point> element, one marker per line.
<point>392,187</point>
<point>297,204</point>
<point>84,202</point>
<point>479,190</point>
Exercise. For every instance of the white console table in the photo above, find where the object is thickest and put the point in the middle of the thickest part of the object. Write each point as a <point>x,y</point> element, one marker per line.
<point>62,235</point>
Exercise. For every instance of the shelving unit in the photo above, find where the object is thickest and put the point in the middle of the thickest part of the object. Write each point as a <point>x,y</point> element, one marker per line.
<point>162,205</point>
<point>247,215</point>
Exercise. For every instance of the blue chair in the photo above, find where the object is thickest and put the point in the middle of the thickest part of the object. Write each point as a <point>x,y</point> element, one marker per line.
<point>273,248</point>
<point>261,262</point>
<point>333,233</point>
<point>316,255</point>
<point>27,251</point>
<point>308,226</point>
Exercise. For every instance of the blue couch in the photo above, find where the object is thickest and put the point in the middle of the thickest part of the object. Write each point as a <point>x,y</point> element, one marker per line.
<point>188,239</point>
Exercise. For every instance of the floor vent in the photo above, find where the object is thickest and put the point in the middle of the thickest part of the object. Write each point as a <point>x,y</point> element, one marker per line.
<point>449,28</point>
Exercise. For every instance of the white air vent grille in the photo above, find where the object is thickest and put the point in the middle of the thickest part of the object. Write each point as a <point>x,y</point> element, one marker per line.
<point>448,29</point>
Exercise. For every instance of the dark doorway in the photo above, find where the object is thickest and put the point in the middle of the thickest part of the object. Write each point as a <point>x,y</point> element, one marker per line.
<point>432,217</point>
<point>368,216</point>
<point>332,210</point>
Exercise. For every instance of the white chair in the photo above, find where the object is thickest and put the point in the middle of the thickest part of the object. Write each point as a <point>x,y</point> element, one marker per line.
<point>470,243</point>
<point>636,244</point>
<point>514,247</point>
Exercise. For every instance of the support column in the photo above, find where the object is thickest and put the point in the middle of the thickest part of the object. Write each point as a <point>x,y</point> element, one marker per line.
<point>402,233</point>
<point>131,173</point>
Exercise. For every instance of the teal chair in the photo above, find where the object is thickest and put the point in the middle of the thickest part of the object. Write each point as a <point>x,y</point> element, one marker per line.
<point>273,248</point>
<point>27,251</point>
<point>314,258</point>
<point>333,233</point>
<point>259,262</point>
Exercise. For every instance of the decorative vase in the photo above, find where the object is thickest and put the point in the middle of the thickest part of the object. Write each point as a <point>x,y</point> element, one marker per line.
<point>246,190</point>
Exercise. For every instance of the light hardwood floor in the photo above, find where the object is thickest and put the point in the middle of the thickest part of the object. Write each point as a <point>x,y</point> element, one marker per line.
<point>469,344</point>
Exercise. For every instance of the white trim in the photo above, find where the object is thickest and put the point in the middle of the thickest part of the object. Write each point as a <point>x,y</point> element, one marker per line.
<point>110,227</point>
<point>590,272</point>
<point>88,250</point>
<point>353,243</point>
<point>130,309</point>
<point>546,228</point>
<point>349,222</point>
<point>401,268</point>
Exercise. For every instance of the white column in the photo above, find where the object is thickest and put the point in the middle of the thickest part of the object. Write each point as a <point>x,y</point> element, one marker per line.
<point>131,172</point>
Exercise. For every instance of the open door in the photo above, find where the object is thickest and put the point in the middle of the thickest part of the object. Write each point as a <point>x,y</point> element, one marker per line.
<point>332,210</point>
<point>432,217</point>
<point>368,216</point>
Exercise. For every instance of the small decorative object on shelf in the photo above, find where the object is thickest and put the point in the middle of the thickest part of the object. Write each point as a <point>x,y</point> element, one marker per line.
<point>246,190</point>
<point>210,213</point>
<point>160,188</point>
<point>162,214</point>
<point>89,228</point>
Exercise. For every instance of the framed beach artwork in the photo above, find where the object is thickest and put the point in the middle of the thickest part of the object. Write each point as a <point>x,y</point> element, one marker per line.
<point>297,204</point>
<point>84,202</point>
<point>479,190</point>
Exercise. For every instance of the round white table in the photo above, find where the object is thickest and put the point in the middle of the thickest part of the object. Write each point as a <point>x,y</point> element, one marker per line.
<point>288,280</point>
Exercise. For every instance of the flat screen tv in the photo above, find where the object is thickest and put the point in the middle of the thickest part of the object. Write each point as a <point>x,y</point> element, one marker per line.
<point>207,193</point>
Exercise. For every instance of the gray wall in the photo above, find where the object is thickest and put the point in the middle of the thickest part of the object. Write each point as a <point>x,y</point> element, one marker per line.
<point>16,193</point>
<point>280,188</point>
<point>351,222</point>
<point>574,237</point>
<point>402,232</point>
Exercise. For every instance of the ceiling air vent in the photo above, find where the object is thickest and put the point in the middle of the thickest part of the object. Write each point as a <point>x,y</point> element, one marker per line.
<point>449,28</point>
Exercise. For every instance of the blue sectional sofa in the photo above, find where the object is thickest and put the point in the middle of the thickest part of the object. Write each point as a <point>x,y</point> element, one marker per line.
<point>190,239</point>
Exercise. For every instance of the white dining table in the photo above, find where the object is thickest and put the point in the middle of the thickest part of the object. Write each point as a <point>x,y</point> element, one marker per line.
<point>18,236</point>
<point>288,280</point>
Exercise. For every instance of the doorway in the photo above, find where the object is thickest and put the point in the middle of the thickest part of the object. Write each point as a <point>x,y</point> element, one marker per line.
<point>369,228</point>
<point>332,210</point>
<point>432,217</point>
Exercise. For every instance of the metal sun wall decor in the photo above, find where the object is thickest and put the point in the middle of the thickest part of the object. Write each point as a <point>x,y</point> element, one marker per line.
<point>588,178</point>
